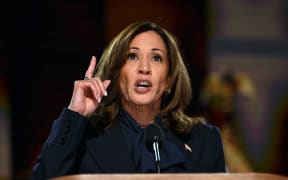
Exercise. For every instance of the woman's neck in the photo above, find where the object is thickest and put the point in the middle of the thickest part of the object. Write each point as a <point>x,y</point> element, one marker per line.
<point>143,114</point>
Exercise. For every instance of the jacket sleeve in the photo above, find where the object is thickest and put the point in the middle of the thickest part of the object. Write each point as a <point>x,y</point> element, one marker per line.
<point>60,150</point>
<point>207,155</point>
<point>219,164</point>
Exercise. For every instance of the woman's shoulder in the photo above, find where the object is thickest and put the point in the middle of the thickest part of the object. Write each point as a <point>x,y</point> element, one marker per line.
<point>204,130</point>
<point>205,127</point>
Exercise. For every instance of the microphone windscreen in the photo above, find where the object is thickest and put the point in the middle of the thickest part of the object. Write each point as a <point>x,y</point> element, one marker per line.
<point>152,133</point>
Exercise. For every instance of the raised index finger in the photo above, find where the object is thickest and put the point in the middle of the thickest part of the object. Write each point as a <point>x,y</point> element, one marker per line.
<point>91,68</point>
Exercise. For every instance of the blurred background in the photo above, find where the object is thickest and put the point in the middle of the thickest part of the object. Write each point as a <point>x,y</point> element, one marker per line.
<point>236,52</point>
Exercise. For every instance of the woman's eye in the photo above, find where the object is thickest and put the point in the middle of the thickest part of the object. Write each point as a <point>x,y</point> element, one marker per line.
<point>132,56</point>
<point>157,58</point>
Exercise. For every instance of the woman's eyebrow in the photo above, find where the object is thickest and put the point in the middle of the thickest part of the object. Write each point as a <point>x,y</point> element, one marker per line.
<point>153,49</point>
<point>136,48</point>
<point>157,49</point>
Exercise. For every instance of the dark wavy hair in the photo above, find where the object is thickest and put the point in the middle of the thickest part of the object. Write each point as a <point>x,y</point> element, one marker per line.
<point>174,101</point>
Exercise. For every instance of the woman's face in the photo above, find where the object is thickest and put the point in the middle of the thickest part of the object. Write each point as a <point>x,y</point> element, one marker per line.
<point>143,78</point>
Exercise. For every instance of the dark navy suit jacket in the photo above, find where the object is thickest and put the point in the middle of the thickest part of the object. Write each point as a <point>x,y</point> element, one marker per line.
<point>74,148</point>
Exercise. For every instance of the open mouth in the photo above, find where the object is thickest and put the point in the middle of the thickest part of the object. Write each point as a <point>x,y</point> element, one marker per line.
<point>143,84</point>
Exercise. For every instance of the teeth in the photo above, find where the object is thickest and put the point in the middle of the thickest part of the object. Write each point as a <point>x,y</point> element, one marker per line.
<point>143,83</point>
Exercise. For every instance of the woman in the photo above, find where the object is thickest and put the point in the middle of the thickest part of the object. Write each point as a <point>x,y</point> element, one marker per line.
<point>141,79</point>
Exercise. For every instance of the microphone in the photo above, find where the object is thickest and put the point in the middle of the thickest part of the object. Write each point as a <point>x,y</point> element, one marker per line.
<point>153,140</point>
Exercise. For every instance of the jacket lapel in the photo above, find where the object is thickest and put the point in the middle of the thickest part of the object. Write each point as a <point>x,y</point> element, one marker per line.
<point>110,151</point>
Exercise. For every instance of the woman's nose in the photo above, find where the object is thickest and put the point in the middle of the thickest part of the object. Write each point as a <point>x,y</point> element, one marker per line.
<point>144,71</point>
<point>144,67</point>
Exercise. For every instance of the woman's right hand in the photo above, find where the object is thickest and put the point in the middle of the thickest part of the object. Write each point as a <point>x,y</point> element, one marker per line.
<point>87,93</point>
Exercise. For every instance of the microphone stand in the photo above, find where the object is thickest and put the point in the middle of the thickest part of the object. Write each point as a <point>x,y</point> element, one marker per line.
<point>157,154</point>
